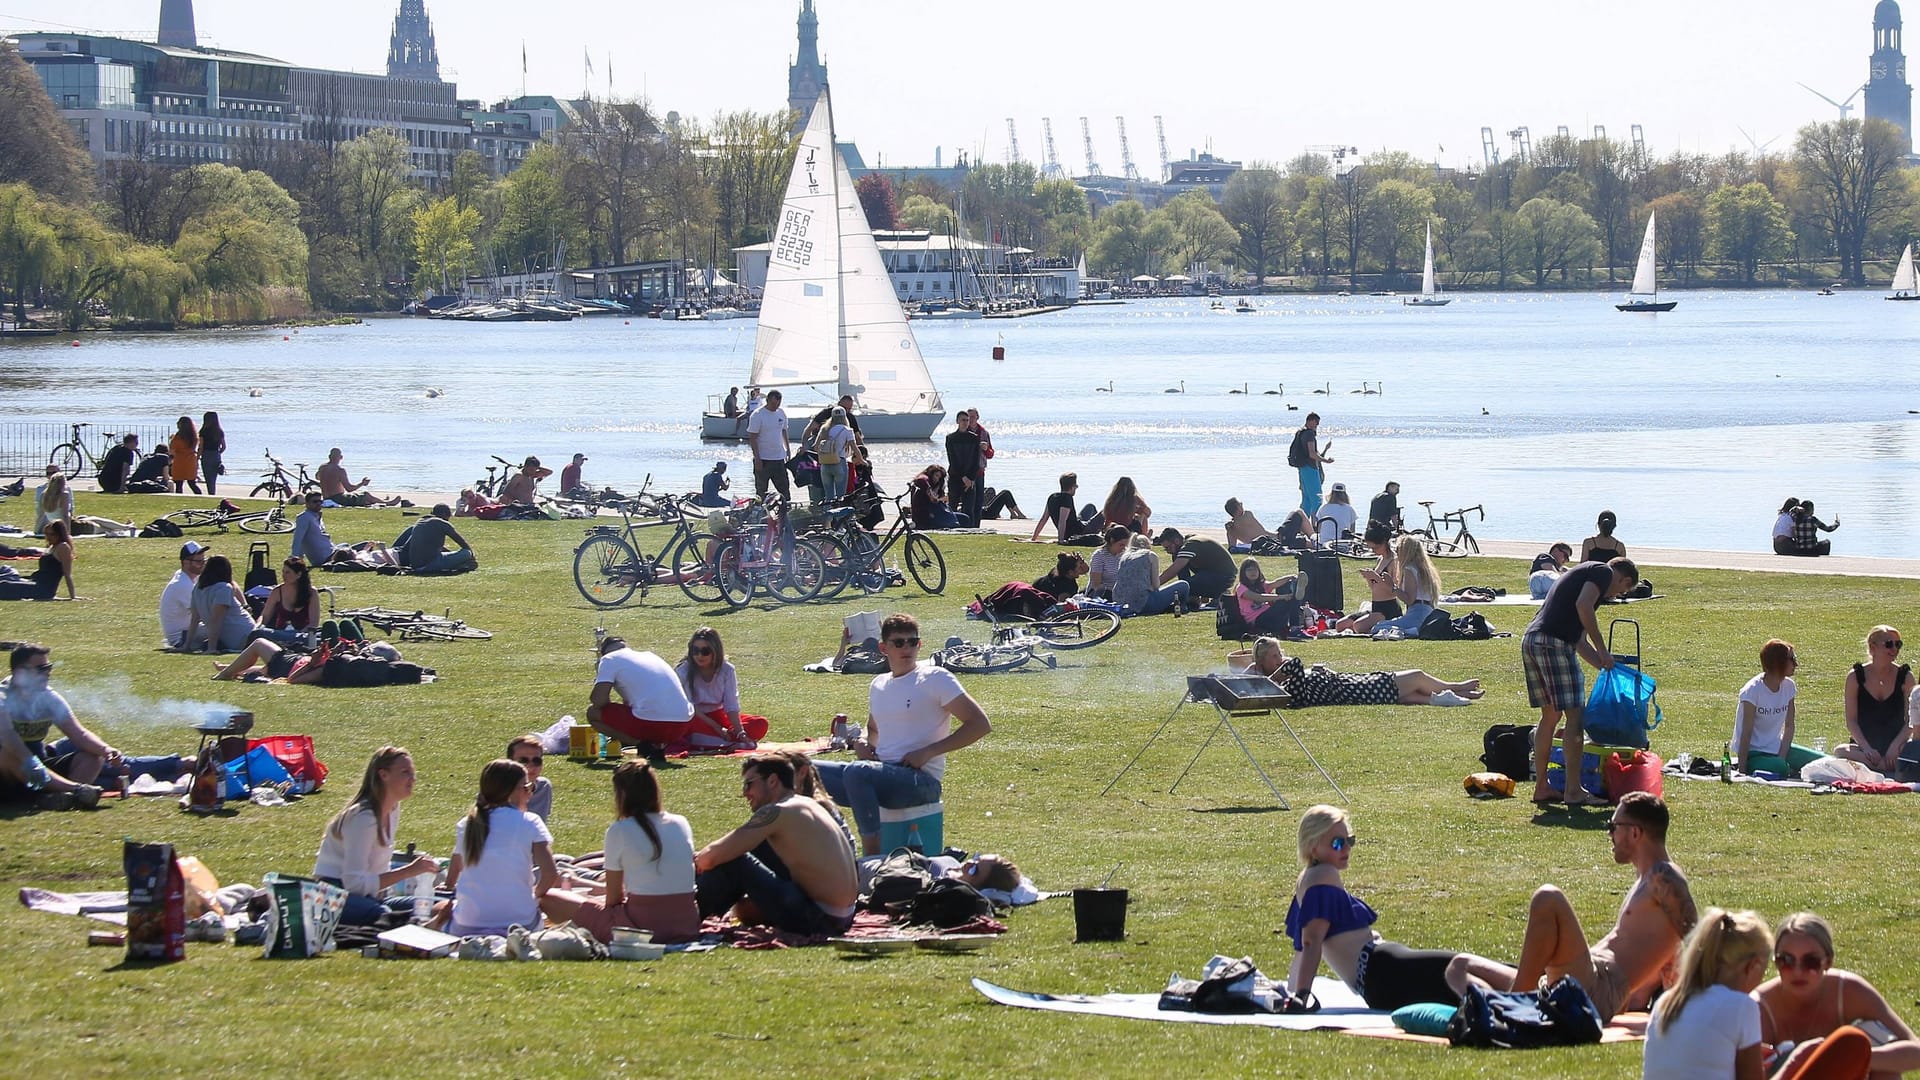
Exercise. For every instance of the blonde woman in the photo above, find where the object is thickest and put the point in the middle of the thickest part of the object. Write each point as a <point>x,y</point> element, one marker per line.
<point>356,851</point>
<point>1823,1020</point>
<point>1707,1026</point>
<point>1317,685</point>
<point>1417,587</point>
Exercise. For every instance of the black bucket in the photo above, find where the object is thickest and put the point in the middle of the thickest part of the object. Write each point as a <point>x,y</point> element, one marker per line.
<point>1100,914</point>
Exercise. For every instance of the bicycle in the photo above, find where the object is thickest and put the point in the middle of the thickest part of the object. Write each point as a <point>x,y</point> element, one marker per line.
<point>866,555</point>
<point>1461,545</point>
<point>497,477</point>
<point>1017,642</point>
<point>611,564</point>
<point>270,521</point>
<point>406,625</point>
<point>69,455</point>
<point>276,483</point>
<point>764,556</point>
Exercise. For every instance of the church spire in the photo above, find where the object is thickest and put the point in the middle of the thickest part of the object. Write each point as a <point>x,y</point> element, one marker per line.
<point>412,54</point>
<point>806,76</point>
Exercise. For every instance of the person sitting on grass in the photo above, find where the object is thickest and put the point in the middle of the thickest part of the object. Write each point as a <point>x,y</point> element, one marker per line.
<point>1319,685</point>
<point>1547,568</point>
<point>816,886</point>
<point>648,878</point>
<point>312,542</point>
<point>219,620</point>
<point>1876,700</point>
<point>1380,579</point>
<point>176,600</point>
<point>427,541</point>
<point>1067,523</point>
<point>653,711</point>
<point>523,487</point>
<point>1064,579</point>
<point>1708,1024</point>
<point>1807,529</point>
<point>927,501</point>
<point>56,565</point>
<point>1416,584</point>
<point>502,862</point>
<point>1783,527</point>
<point>356,851</point>
<point>526,751</point>
<point>1135,582</point>
<point>1203,564</point>
<point>1603,546</point>
<point>1764,717</point>
<point>475,505</point>
<point>713,487</point>
<point>338,488</point>
<point>59,776</point>
<point>1104,566</point>
<point>714,689</point>
<point>1124,506</point>
<point>292,609</point>
<point>1823,1012</point>
<point>1271,609</point>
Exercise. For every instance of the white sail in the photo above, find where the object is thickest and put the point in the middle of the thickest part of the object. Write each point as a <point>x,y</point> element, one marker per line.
<point>798,340</point>
<point>881,365</point>
<point>1427,288</point>
<point>1644,281</point>
<point>1903,278</point>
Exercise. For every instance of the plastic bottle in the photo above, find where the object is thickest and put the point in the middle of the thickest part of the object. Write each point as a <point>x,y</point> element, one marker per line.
<point>423,897</point>
<point>913,838</point>
<point>1726,763</point>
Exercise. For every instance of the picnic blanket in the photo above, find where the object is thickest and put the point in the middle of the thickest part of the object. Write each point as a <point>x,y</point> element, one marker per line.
<point>720,930</point>
<point>1340,1008</point>
<point>108,907</point>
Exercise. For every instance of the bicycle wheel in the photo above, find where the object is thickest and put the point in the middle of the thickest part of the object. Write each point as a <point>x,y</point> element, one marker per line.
<point>736,587</point>
<point>197,518</point>
<point>1444,549</point>
<point>607,570</point>
<point>970,659</point>
<point>839,564</point>
<point>925,563</point>
<point>272,490</point>
<point>67,457</point>
<point>273,521</point>
<point>799,575</point>
<point>1076,629</point>
<point>693,567</point>
<point>868,569</point>
<point>447,630</point>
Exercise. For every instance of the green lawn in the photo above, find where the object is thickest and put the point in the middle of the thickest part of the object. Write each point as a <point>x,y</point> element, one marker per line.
<point>1209,868</point>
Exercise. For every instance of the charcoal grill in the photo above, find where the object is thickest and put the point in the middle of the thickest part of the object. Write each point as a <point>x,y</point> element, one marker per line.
<point>1232,697</point>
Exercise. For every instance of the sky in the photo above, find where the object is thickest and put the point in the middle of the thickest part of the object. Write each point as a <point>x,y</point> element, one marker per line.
<point>1260,80</point>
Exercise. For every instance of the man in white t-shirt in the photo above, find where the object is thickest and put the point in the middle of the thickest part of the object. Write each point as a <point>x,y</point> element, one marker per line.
<point>61,774</point>
<point>767,430</point>
<point>176,600</point>
<point>653,709</point>
<point>910,714</point>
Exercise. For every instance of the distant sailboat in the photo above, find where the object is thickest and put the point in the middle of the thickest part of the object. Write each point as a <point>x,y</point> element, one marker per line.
<point>1429,289</point>
<point>829,318</point>
<point>1645,281</point>
<point>1903,278</point>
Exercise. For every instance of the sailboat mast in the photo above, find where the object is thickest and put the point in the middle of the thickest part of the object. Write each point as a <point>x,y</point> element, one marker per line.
<point>840,295</point>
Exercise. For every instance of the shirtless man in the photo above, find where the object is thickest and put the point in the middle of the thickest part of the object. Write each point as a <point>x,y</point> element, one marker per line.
<point>1244,528</point>
<point>814,889</point>
<point>341,491</point>
<point>520,486</point>
<point>1622,967</point>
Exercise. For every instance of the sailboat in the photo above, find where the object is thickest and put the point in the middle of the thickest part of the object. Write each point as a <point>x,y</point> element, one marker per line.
<point>1429,289</point>
<point>1645,281</point>
<point>1903,278</point>
<point>829,318</point>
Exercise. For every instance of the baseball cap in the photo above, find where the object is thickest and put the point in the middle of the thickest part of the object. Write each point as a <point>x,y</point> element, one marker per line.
<point>191,548</point>
<point>579,457</point>
<point>1339,487</point>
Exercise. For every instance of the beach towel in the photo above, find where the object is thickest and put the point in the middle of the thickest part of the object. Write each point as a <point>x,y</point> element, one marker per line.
<point>720,930</point>
<point>1340,1008</point>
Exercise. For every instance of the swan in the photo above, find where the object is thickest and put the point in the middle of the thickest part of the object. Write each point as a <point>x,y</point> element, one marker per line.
<point>1242,390</point>
<point>434,392</point>
<point>1282,388</point>
<point>1182,389</point>
<point>1363,390</point>
<point>1327,389</point>
<point>256,392</point>
<point>1378,389</point>
<point>1107,389</point>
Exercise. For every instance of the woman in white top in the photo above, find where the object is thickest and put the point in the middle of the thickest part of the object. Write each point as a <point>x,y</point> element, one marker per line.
<point>1783,527</point>
<point>649,868</point>
<point>502,859</point>
<point>1337,516</point>
<point>1764,719</point>
<point>1417,587</point>
<point>356,851</point>
<point>714,689</point>
<point>1708,1026</point>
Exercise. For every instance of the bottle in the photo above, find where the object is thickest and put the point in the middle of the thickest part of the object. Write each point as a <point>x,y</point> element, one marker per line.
<point>1726,763</point>
<point>913,838</point>
<point>839,731</point>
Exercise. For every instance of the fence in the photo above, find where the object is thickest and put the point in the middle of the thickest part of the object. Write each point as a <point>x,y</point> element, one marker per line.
<point>26,448</point>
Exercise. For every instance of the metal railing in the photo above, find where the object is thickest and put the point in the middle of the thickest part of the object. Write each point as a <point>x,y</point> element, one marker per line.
<point>25,447</point>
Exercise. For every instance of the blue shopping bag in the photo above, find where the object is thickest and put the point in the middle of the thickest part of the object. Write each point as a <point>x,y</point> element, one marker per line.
<point>1621,710</point>
<point>259,766</point>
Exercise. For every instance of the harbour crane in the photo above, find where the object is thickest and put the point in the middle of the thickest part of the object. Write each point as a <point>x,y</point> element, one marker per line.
<point>1013,144</point>
<point>1086,136</point>
<point>1845,107</point>
<point>1600,132</point>
<point>1563,132</point>
<point>1522,143</point>
<point>1336,153</point>
<point>1639,142</point>
<point>1051,168</point>
<point>1166,163</point>
<point>1489,153</point>
<point>1126,152</point>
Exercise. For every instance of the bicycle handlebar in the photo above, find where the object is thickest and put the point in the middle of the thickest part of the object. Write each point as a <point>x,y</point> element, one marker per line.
<point>503,461</point>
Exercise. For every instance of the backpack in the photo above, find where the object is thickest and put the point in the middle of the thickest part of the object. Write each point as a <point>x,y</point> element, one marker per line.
<point>947,903</point>
<point>258,572</point>
<point>1561,1015</point>
<point>1297,451</point>
<point>161,528</point>
<point>1438,626</point>
<point>1472,626</point>
<point>1227,621</point>
<point>1508,748</point>
<point>898,880</point>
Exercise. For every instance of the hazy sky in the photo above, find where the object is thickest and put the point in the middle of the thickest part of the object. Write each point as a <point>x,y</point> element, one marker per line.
<point>1258,80</point>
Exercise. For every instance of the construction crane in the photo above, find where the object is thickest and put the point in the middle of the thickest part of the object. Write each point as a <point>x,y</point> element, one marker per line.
<point>1013,144</point>
<point>1086,136</point>
<point>1563,132</point>
<point>1166,163</point>
<point>1845,107</point>
<point>1600,133</point>
<point>1051,168</point>
<point>1336,153</point>
<point>1126,152</point>
<point>1488,151</point>
<point>1522,143</point>
<point>1639,142</point>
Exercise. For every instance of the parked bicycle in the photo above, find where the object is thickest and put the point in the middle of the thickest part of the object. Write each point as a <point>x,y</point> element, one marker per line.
<point>1439,545</point>
<point>1017,642</point>
<point>766,556</point>
<point>277,483</point>
<point>496,478</point>
<point>69,455</point>
<point>614,562</point>
<point>273,520</point>
<point>406,625</point>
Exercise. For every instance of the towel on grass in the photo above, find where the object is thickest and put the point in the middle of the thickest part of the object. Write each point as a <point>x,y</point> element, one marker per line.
<point>719,929</point>
<point>1340,1008</point>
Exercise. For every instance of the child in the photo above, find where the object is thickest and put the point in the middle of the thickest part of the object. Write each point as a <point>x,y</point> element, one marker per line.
<point>1708,1025</point>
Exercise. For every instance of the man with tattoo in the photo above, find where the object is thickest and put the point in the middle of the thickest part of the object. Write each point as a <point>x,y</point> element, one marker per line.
<point>808,886</point>
<point>1622,967</point>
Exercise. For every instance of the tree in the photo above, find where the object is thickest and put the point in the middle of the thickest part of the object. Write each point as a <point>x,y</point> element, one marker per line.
<point>613,149</point>
<point>1353,192</point>
<point>1747,226</point>
<point>876,198</point>
<point>1603,165</point>
<point>470,179</point>
<point>1850,170</point>
<point>1196,231</point>
<point>29,243</point>
<point>1318,219</point>
<point>375,168</point>
<point>745,164</point>
<point>1555,236</point>
<point>921,212</point>
<point>37,148</point>
<point>1682,238</point>
<point>1399,211</point>
<point>242,245</point>
<point>1254,203</point>
<point>535,213</point>
<point>1066,221</point>
<point>1127,241</point>
<point>443,238</point>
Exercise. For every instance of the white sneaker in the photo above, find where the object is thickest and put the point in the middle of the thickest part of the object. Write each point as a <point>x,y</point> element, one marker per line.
<point>1448,697</point>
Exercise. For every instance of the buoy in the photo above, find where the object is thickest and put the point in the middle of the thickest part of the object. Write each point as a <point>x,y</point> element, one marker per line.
<point>284,337</point>
<point>999,352</point>
<point>75,343</point>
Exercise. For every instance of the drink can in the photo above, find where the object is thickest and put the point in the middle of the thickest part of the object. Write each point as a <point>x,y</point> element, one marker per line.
<point>840,725</point>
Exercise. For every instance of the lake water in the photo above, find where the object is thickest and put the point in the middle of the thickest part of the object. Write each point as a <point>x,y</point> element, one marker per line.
<point>1692,425</point>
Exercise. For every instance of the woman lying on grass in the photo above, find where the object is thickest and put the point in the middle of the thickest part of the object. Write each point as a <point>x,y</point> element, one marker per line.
<point>1317,685</point>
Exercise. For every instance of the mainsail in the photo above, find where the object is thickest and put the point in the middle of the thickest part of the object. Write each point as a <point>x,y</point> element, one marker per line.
<point>1644,281</point>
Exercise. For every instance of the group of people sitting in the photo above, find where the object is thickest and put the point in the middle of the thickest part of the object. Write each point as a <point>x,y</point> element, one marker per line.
<point>1880,707</point>
<point>420,549</point>
<point>1796,531</point>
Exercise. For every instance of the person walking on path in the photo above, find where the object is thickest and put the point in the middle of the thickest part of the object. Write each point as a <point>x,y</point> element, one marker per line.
<point>1306,456</point>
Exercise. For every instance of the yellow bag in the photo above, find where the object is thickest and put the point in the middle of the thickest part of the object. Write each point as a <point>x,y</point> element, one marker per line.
<point>1489,785</point>
<point>201,887</point>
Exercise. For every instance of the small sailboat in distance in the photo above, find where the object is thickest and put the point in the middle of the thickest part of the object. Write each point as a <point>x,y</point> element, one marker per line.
<point>1903,278</point>
<point>1429,289</point>
<point>1645,282</point>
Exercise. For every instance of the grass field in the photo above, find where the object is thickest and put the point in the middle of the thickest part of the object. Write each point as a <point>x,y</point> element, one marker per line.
<point>1209,868</point>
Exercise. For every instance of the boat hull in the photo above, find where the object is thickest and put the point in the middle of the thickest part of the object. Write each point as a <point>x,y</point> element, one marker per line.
<point>1641,305</point>
<point>1915,296</point>
<point>874,427</point>
<point>1428,303</point>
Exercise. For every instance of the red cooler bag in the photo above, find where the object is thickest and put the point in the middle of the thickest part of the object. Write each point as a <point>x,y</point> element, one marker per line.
<point>296,753</point>
<point>1640,774</point>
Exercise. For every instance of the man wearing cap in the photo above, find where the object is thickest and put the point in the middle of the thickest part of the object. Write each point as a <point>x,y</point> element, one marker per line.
<point>1204,564</point>
<point>335,485</point>
<point>521,487</point>
<point>570,476</point>
<point>820,419</point>
<point>713,484</point>
<point>176,600</point>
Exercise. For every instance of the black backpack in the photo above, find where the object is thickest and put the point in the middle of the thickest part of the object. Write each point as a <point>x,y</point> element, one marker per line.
<point>1226,618</point>
<point>161,528</point>
<point>1438,626</point>
<point>947,903</point>
<point>258,572</point>
<point>1472,626</point>
<point>899,880</point>
<point>1508,748</point>
<point>1561,1015</point>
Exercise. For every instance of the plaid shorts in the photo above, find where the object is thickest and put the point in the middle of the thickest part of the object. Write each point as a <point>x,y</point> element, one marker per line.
<point>1553,673</point>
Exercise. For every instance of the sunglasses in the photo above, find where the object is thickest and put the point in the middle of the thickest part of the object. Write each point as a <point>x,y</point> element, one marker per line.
<point>747,782</point>
<point>1343,843</point>
<point>538,759</point>
<point>903,642</point>
<point>1808,962</point>
<point>1894,644</point>
<point>1612,826</point>
<point>701,650</point>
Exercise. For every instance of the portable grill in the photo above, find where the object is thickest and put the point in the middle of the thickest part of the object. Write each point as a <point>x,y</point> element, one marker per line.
<point>218,727</point>
<point>1230,697</point>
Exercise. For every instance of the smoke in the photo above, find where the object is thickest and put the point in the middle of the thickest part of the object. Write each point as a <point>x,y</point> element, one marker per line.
<point>112,700</point>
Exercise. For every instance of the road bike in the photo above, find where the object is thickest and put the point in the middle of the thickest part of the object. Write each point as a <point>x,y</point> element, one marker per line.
<point>613,562</point>
<point>496,478</point>
<point>1016,642</point>
<point>273,520</point>
<point>1462,542</point>
<point>406,625</point>
<point>277,483</point>
<point>69,455</point>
